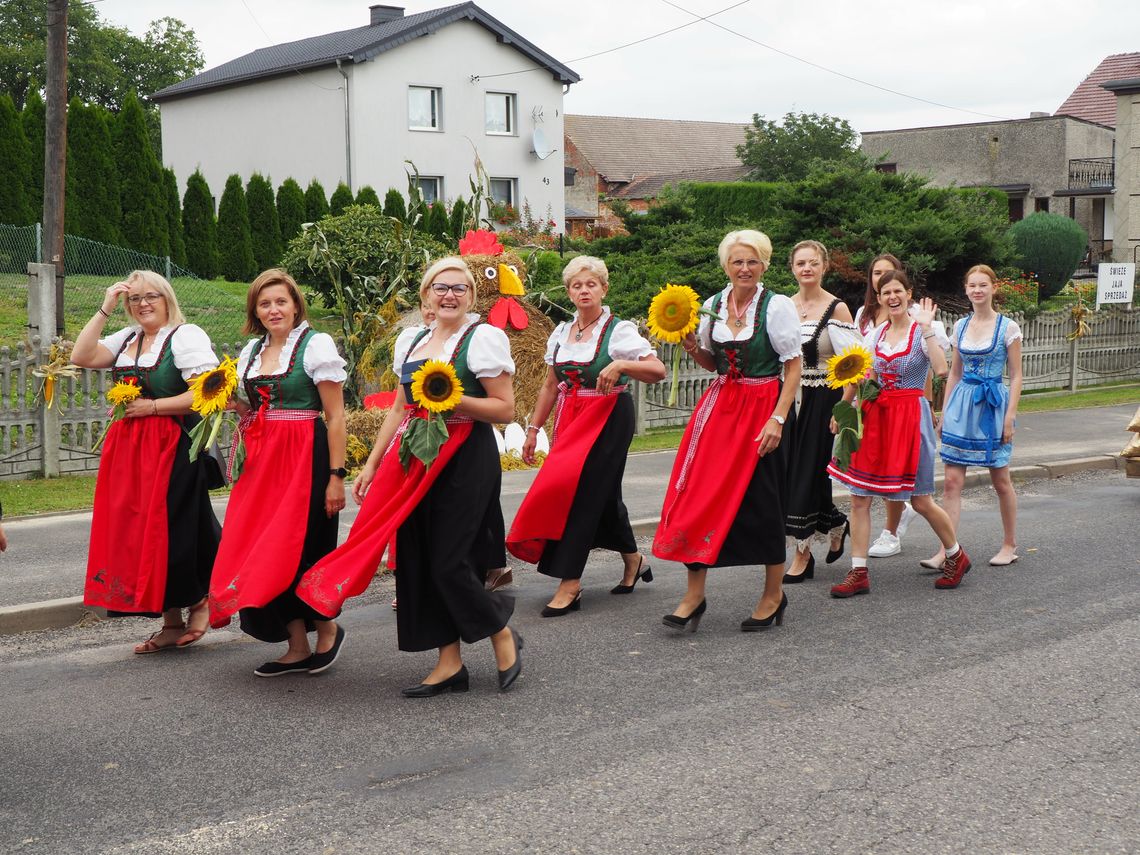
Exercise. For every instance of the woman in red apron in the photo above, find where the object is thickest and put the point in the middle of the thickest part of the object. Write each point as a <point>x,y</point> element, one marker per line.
<point>285,505</point>
<point>574,504</point>
<point>153,532</point>
<point>725,504</point>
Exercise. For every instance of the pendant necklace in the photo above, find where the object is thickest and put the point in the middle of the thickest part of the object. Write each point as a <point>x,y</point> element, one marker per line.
<point>582,329</point>
<point>739,322</point>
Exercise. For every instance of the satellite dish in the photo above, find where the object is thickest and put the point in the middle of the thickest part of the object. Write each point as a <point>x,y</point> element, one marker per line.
<point>541,149</point>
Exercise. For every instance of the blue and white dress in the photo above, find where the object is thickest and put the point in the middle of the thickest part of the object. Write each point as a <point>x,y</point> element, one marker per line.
<point>973,417</point>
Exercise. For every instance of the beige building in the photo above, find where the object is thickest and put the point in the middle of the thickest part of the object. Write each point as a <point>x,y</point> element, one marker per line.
<point>1126,246</point>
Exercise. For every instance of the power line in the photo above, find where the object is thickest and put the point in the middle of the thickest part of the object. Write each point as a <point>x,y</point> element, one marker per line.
<point>830,70</point>
<point>270,41</point>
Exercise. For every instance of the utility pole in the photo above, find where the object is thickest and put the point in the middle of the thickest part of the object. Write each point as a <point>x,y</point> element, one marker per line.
<point>55,146</point>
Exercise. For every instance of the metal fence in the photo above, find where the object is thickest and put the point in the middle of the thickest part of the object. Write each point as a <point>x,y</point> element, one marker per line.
<point>1110,351</point>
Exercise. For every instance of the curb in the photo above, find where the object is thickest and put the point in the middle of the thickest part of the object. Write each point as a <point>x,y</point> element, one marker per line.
<point>56,614</point>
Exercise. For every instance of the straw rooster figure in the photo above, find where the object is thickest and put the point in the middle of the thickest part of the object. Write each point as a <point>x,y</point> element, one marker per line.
<point>497,271</point>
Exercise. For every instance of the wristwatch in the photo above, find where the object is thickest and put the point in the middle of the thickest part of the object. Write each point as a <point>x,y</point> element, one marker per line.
<point>339,472</point>
<point>778,419</point>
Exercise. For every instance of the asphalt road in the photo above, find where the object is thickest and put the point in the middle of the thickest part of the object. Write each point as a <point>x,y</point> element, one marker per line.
<point>1000,717</point>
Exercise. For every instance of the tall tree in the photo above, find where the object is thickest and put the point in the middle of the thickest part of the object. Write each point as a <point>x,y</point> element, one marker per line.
<point>341,199</point>
<point>235,246</point>
<point>33,119</point>
<point>93,208</point>
<point>290,209</point>
<point>264,227</point>
<point>787,150</point>
<point>174,218</point>
<point>394,205</point>
<point>15,167</point>
<point>316,202</point>
<point>200,227</point>
<point>141,193</point>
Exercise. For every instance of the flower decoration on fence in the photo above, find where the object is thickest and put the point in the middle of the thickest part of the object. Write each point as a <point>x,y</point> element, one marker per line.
<point>851,367</point>
<point>212,393</point>
<point>436,390</point>
<point>57,367</point>
<point>118,396</point>
<point>673,314</point>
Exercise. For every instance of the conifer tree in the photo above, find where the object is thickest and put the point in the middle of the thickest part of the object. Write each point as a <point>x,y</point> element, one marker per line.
<point>264,227</point>
<point>290,209</point>
<point>341,199</point>
<point>15,167</point>
<point>394,204</point>
<point>174,218</point>
<point>235,246</point>
<point>92,175</point>
<point>458,219</point>
<point>316,202</point>
<point>200,227</point>
<point>141,193</point>
<point>437,224</point>
<point>367,196</point>
<point>32,119</point>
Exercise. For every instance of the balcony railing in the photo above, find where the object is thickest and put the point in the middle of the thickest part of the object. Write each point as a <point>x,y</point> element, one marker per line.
<point>1091,173</point>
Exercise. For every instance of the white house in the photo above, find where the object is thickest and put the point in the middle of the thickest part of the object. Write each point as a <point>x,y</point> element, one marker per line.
<point>434,88</point>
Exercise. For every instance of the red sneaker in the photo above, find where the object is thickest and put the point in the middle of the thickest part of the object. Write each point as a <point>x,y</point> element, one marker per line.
<point>857,582</point>
<point>953,570</point>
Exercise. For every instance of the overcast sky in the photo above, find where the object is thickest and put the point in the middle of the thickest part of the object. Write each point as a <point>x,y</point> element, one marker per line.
<point>1002,58</point>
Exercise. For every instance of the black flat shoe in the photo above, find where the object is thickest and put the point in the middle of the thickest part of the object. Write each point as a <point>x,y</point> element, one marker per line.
<point>320,662</point>
<point>508,677</point>
<point>756,624</point>
<point>559,611</point>
<point>834,555</point>
<point>279,669</point>
<point>809,573</point>
<point>686,624</point>
<point>458,682</point>
<point>643,572</point>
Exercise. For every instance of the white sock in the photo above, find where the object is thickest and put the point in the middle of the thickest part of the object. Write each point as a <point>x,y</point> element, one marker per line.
<point>953,550</point>
<point>858,563</point>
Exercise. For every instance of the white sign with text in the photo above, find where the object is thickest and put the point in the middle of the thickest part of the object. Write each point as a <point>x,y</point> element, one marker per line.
<point>1114,283</point>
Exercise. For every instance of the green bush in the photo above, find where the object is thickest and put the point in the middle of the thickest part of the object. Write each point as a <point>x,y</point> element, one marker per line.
<point>264,227</point>
<point>200,227</point>
<point>437,224</point>
<point>457,220</point>
<point>367,196</point>
<point>290,209</point>
<point>142,197</point>
<point>235,246</point>
<point>1051,246</point>
<point>316,202</point>
<point>341,199</point>
<point>15,167</point>
<point>174,218</point>
<point>33,119</point>
<point>394,204</point>
<point>92,175</point>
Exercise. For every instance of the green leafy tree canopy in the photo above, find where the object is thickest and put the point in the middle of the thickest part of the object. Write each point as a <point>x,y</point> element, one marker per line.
<point>786,151</point>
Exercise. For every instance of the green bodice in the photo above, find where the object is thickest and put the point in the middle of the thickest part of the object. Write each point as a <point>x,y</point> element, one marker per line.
<point>291,389</point>
<point>161,380</point>
<point>751,357</point>
<point>586,373</point>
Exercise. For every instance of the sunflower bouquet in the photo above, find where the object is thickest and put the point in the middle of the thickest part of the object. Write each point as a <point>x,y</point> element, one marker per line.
<point>674,313</point>
<point>851,367</point>
<point>436,390</point>
<point>118,396</point>
<point>212,393</point>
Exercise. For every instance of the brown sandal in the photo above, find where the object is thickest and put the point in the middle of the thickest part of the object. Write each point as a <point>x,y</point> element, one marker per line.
<point>152,646</point>
<point>194,635</point>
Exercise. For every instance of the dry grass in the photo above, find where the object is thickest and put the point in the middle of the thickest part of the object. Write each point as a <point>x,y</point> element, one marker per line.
<point>528,347</point>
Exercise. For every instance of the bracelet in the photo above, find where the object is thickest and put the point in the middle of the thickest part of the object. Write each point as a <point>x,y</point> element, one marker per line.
<point>535,428</point>
<point>693,351</point>
<point>930,334</point>
<point>104,314</point>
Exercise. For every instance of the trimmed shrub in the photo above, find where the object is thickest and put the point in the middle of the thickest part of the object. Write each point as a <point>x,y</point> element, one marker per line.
<point>264,228</point>
<point>15,167</point>
<point>33,119</point>
<point>290,210</point>
<point>367,196</point>
<point>1051,246</point>
<point>316,202</point>
<point>92,175</point>
<point>235,246</point>
<point>437,224</point>
<point>200,227</point>
<point>341,199</point>
<point>174,218</point>
<point>394,205</point>
<point>141,193</point>
<point>457,221</point>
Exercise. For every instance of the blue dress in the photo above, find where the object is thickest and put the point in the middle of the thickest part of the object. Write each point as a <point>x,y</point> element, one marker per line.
<point>974,415</point>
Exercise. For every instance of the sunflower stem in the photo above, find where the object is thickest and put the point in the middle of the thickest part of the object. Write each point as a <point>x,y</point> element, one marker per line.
<point>676,371</point>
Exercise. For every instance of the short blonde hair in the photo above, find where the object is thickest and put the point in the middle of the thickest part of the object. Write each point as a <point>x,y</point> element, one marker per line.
<point>174,315</point>
<point>585,264</point>
<point>450,262</point>
<point>815,245</point>
<point>267,279</point>
<point>756,241</point>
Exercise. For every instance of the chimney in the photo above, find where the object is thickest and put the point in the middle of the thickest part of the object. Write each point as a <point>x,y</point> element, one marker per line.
<point>383,14</point>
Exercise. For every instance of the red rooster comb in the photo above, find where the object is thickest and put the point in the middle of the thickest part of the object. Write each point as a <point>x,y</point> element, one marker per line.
<point>480,242</point>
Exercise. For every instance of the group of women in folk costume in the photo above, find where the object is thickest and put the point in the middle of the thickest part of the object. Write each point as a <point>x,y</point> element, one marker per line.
<point>750,469</point>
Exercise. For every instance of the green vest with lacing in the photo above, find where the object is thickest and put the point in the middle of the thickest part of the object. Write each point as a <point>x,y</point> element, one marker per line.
<point>754,356</point>
<point>291,389</point>
<point>161,380</point>
<point>471,385</point>
<point>586,374</point>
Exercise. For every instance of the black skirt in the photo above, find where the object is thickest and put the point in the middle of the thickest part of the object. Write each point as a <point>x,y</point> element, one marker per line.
<point>269,622</point>
<point>445,548</point>
<point>598,517</point>
<point>811,510</point>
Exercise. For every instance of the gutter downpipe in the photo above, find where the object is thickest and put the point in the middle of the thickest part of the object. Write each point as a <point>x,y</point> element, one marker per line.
<point>347,128</point>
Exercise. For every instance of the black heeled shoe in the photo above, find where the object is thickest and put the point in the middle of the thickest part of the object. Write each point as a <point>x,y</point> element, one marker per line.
<point>460,681</point>
<point>686,624</point>
<point>834,555</point>
<point>559,611</point>
<point>756,624</point>
<point>508,677</point>
<point>643,572</point>
<point>809,573</point>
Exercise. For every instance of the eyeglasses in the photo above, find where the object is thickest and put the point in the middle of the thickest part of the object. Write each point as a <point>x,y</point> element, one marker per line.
<point>741,263</point>
<point>457,288</point>
<point>152,297</point>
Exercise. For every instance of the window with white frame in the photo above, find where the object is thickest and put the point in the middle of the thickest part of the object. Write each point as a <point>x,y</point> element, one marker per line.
<point>424,108</point>
<point>431,188</point>
<point>504,190</point>
<point>499,113</point>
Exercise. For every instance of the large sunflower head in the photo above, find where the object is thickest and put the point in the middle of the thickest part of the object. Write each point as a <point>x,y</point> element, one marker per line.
<point>848,367</point>
<point>123,392</point>
<point>435,387</point>
<point>213,390</point>
<point>673,313</point>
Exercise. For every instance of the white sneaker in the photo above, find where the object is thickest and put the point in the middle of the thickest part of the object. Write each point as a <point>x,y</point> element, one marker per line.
<point>908,516</point>
<point>886,546</point>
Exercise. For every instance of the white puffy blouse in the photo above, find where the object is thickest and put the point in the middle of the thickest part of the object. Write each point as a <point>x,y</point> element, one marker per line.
<point>936,327</point>
<point>321,362</point>
<point>193,354</point>
<point>1012,334</point>
<point>488,354</point>
<point>783,324</point>
<point>625,341</point>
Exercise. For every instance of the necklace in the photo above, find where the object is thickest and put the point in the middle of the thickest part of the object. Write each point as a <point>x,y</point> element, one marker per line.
<point>739,322</point>
<point>582,329</point>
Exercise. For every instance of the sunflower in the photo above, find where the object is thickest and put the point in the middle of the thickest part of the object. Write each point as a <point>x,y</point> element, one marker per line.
<point>848,367</point>
<point>213,390</point>
<point>673,314</point>
<point>435,387</point>
<point>123,392</point>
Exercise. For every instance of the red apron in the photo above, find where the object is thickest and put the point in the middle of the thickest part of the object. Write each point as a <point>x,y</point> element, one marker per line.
<point>887,459</point>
